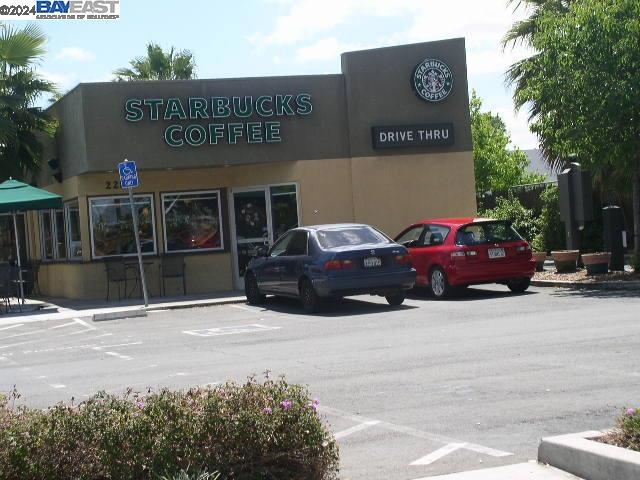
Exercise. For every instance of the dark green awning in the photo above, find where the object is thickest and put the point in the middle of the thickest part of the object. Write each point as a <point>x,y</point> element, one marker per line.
<point>16,196</point>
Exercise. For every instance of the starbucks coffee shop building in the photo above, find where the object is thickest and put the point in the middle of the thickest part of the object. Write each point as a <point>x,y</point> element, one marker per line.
<point>226,165</point>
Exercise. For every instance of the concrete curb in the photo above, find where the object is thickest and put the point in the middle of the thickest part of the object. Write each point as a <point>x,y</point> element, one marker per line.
<point>580,455</point>
<point>131,313</point>
<point>196,304</point>
<point>621,285</point>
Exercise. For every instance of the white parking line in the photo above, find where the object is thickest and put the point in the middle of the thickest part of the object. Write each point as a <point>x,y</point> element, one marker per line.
<point>57,385</point>
<point>355,428</point>
<point>84,324</point>
<point>63,325</point>
<point>419,433</point>
<point>118,355</point>
<point>438,454</point>
<point>12,326</point>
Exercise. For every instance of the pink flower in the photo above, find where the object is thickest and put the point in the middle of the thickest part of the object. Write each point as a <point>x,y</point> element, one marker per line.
<point>286,404</point>
<point>315,405</point>
<point>631,412</point>
<point>140,405</point>
<point>267,410</point>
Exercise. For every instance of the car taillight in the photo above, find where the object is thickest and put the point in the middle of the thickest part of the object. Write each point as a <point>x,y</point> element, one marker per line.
<point>347,264</point>
<point>338,264</point>
<point>403,259</point>
<point>472,253</point>
<point>458,254</point>
<point>523,248</point>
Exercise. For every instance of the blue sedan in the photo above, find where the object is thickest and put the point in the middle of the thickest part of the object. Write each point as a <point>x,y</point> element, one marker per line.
<point>312,263</point>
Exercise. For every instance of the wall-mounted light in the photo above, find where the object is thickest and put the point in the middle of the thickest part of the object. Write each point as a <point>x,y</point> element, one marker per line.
<point>54,165</point>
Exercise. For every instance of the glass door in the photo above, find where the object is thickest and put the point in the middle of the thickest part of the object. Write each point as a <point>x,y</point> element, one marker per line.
<point>260,216</point>
<point>251,227</point>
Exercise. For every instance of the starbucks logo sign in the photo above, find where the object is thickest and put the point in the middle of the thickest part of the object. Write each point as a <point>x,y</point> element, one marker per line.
<point>432,80</point>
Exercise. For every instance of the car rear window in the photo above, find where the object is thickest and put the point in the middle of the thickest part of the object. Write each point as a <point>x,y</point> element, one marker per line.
<point>332,238</point>
<point>487,232</point>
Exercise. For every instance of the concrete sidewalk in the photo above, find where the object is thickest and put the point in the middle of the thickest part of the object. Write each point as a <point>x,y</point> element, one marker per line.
<point>42,309</point>
<point>520,471</point>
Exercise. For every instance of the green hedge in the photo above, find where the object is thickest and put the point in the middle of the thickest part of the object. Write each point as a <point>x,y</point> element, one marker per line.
<point>268,430</point>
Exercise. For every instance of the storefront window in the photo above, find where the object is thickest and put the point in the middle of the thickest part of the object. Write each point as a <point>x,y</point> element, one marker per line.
<point>112,226</point>
<point>8,238</point>
<point>192,221</point>
<point>52,231</point>
<point>74,244</point>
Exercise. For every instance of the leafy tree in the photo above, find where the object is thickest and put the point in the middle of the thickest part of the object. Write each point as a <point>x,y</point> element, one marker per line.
<point>21,123</point>
<point>510,208</point>
<point>497,166</point>
<point>584,87</point>
<point>159,65</point>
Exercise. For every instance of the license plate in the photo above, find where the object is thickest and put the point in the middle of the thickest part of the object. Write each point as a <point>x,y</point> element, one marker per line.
<point>372,262</point>
<point>496,253</point>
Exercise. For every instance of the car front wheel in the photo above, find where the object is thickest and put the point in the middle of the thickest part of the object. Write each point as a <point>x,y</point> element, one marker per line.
<point>251,290</point>
<point>396,299</point>
<point>438,284</point>
<point>310,300</point>
<point>519,285</point>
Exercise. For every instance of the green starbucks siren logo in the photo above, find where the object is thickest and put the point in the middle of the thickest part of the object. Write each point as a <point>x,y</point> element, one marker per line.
<point>432,80</point>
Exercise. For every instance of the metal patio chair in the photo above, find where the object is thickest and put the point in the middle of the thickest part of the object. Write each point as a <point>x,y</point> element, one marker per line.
<point>116,271</point>
<point>173,266</point>
<point>5,285</point>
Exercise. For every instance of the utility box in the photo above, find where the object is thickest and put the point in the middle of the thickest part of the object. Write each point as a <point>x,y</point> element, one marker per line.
<point>613,225</point>
<point>576,202</point>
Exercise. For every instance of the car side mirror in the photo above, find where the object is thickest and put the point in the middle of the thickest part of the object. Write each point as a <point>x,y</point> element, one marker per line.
<point>262,251</point>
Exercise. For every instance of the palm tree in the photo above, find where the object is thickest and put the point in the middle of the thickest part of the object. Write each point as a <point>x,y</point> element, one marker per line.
<point>21,123</point>
<point>519,74</point>
<point>159,65</point>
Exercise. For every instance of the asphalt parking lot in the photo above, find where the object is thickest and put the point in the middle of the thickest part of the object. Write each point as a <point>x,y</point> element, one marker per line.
<point>428,388</point>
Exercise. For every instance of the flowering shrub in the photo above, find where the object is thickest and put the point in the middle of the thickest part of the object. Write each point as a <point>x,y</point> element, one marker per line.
<point>256,430</point>
<point>627,431</point>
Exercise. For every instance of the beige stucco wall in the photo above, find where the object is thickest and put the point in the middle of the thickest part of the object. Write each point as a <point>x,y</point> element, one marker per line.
<point>389,192</point>
<point>394,192</point>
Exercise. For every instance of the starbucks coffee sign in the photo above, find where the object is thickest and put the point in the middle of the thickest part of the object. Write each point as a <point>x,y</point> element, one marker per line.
<point>197,121</point>
<point>432,80</point>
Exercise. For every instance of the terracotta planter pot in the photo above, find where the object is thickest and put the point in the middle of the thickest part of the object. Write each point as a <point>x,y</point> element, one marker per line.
<point>539,257</point>
<point>565,260</point>
<point>596,262</point>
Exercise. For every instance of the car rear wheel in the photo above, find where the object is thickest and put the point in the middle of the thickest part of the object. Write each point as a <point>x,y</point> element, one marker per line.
<point>438,283</point>
<point>519,285</point>
<point>310,300</point>
<point>251,290</point>
<point>396,299</point>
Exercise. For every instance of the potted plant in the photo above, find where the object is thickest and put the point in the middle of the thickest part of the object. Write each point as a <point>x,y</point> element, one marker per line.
<point>565,260</point>
<point>539,257</point>
<point>596,262</point>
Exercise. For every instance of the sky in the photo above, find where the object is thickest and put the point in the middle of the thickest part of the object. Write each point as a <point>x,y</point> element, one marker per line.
<point>252,38</point>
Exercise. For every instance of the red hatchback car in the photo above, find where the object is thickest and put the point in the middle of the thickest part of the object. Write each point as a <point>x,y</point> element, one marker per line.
<point>451,253</point>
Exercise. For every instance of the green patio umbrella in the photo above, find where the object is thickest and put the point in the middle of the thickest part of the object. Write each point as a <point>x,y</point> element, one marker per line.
<point>17,197</point>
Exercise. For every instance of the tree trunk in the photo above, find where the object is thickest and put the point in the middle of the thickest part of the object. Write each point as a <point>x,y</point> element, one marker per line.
<point>636,211</point>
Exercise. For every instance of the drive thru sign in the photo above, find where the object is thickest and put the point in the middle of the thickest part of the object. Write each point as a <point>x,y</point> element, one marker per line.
<point>129,180</point>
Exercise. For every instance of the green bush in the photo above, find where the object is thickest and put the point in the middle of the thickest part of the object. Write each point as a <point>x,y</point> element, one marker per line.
<point>551,228</point>
<point>253,430</point>
<point>510,208</point>
<point>627,432</point>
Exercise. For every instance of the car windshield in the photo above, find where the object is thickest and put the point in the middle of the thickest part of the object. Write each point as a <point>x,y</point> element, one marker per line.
<point>487,232</point>
<point>343,237</point>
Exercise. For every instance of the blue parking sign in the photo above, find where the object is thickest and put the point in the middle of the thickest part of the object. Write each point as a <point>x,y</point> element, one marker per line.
<point>128,174</point>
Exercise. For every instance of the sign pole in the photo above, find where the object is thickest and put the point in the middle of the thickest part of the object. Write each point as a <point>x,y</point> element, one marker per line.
<point>134,216</point>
